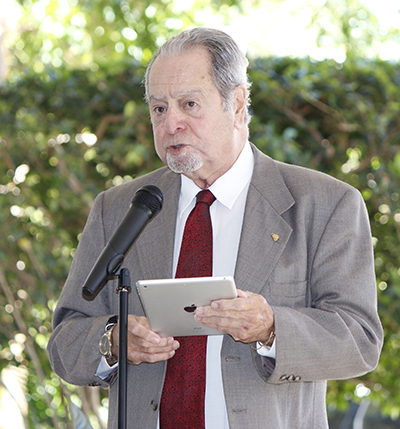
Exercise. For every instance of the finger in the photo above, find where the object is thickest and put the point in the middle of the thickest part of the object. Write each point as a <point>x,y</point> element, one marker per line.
<point>141,346</point>
<point>218,302</point>
<point>243,325</point>
<point>140,357</point>
<point>142,353</point>
<point>224,323</point>
<point>138,326</point>
<point>245,301</point>
<point>241,294</point>
<point>239,329</point>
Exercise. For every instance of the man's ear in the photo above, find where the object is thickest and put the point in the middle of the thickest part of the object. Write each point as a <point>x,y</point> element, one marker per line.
<point>239,105</point>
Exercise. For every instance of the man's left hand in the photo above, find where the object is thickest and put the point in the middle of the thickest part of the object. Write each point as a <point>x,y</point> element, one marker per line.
<point>247,318</point>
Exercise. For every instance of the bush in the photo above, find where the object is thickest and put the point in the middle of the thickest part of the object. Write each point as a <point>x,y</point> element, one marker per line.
<point>66,135</point>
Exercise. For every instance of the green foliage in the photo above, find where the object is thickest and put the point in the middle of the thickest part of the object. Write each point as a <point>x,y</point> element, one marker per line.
<point>347,23</point>
<point>67,134</point>
<point>73,122</point>
<point>91,34</point>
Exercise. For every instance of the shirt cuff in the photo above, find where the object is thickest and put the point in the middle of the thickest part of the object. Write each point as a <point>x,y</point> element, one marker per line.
<point>267,351</point>
<point>104,370</point>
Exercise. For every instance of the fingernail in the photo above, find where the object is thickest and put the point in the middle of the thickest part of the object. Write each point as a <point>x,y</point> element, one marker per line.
<point>199,311</point>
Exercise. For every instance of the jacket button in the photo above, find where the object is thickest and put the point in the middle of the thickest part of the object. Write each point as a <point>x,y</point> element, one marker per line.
<point>283,378</point>
<point>154,405</point>
<point>297,378</point>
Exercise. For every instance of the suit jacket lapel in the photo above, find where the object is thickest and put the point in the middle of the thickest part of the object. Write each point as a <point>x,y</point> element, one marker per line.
<point>156,254</point>
<point>264,233</point>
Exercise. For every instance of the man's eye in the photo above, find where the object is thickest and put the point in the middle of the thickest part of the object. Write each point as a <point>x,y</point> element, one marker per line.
<point>191,104</point>
<point>159,109</point>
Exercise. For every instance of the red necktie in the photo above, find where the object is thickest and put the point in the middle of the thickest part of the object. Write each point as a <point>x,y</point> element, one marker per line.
<point>182,401</point>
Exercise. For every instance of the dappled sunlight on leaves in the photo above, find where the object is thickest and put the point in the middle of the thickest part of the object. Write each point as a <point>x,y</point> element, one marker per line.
<point>74,123</point>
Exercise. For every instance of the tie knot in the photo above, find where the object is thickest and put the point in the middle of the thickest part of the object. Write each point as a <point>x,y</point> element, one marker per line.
<point>206,197</point>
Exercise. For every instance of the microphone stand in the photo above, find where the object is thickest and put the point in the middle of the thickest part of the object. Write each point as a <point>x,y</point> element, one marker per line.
<point>123,289</point>
<point>146,203</point>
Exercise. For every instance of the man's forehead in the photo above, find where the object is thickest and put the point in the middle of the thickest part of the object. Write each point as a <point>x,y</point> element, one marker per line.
<point>179,76</point>
<point>194,64</point>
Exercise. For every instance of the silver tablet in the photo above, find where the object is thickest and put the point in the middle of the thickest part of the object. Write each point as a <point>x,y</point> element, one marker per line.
<point>169,304</point>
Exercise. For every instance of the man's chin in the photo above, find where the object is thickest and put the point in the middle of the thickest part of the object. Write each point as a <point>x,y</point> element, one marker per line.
<point>184,163</point>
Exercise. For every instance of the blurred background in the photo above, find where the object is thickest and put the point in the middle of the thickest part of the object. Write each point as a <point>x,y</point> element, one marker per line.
<point>326,95</point>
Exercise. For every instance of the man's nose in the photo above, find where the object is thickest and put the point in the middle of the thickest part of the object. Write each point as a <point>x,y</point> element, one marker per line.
<point>174,121</point>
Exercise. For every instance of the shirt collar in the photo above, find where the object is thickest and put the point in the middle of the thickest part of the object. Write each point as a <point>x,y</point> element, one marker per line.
<point>228,187</point>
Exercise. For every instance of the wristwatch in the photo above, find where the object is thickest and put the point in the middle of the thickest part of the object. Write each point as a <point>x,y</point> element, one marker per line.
<point>105,345</point>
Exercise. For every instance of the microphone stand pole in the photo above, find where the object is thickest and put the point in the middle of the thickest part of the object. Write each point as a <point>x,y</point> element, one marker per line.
<point>123,289</point>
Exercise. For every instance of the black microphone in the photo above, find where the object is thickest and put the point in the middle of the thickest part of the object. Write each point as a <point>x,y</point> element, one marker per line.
<point>146,203</point>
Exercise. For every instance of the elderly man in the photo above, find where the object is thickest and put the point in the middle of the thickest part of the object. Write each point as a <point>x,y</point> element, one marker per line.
<point>296,241</point>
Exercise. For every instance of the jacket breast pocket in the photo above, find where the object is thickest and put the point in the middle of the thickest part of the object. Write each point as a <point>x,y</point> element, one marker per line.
<point>288,294</point>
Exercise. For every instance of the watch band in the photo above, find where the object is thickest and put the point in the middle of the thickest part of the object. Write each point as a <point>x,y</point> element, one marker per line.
<point>105,345</point>
<point>110,322</point>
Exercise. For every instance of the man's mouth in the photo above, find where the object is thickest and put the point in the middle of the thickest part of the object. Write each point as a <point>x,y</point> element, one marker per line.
<point>175,149</point>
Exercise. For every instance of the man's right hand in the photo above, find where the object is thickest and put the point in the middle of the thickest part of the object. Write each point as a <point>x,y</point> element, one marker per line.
<point>144,345</point>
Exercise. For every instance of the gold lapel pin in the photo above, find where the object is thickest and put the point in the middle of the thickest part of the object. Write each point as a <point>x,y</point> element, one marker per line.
<point>275,237</point>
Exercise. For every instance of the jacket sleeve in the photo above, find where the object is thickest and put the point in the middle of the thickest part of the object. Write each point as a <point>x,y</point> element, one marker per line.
<point>79,324</point>
<point>339,334</point>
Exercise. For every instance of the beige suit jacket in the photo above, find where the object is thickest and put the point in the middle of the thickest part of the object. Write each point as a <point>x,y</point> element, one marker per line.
<point>318,276</point>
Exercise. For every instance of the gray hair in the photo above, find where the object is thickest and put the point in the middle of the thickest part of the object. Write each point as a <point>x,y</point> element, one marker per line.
<point>229,64</point>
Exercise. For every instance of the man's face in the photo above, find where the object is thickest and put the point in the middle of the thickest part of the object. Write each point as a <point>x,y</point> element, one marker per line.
<point>193,135</point>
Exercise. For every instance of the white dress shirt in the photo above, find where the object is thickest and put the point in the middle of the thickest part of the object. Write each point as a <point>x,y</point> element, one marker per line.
<point>230,191</point>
